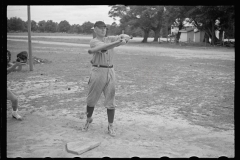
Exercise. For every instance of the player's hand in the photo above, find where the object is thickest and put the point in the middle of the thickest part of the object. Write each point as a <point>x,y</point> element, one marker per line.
<point>125,36</point>
<point>18,64</point>
<point>127,39</point>
<point>121,42</point>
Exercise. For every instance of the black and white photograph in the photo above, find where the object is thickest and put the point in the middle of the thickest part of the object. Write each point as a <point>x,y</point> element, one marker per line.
<point>120,81</point>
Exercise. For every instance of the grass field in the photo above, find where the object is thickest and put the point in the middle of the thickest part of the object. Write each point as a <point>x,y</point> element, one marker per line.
<point>191,86</point>
<point>84,39</point>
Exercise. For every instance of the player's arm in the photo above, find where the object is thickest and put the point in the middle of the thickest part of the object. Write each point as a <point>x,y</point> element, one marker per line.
<point>13,67</point>
<point>123,37</point>
<point>105,46</point>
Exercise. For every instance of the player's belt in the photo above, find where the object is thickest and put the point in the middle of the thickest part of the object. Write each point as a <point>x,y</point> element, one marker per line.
<point>103,66</point>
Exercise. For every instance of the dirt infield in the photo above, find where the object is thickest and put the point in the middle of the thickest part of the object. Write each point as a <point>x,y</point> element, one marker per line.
<point>174,102</point>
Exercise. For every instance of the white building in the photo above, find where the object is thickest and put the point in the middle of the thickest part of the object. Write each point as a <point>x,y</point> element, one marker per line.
<point>198,35</point>
<point>187,35</point>
<point>174,30</point>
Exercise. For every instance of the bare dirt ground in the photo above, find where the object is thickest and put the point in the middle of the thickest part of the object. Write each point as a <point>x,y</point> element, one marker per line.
<point>174,102</point>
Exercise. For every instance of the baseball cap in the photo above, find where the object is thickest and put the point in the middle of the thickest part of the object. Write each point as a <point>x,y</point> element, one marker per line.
<point>100,24</point>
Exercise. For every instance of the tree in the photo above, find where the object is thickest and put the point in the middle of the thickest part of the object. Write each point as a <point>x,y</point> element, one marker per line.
<point>64,26</point>
<point>50,26</point>
<point>87,27</point>
<point>211,18</point>
<point>25,26</point>
<point>147,18</point>
<point>15,24</point>
<point>176,16</point>
<point>197,18</point>
<point>164,31</point>
<point>72,29</point>
<point>57,30</point>
<point>204,17</point>
<point>41,25</point>
<point>33,25</point>
<point>76,28</point>
<point>137,32</point>
<point>114,29</point>
<point>79,28</point>
<point>144,17</point>
<point>226,21</point>
<point>157,13</point>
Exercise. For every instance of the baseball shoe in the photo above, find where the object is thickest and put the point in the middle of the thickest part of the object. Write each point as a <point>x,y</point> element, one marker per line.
<point>16,116</point>
<point>111,130</point>
<point>86,126</point>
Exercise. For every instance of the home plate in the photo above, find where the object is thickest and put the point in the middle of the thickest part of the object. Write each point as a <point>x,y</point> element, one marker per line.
<point>79,147</point>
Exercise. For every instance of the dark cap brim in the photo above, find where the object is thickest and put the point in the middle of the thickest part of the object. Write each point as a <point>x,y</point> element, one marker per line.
<point>100,24</point>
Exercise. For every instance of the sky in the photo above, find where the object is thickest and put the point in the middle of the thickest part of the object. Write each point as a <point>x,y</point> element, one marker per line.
<point>74,14</point>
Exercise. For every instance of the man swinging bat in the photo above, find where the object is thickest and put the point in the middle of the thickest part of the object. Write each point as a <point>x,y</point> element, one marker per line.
<point>102,77</point>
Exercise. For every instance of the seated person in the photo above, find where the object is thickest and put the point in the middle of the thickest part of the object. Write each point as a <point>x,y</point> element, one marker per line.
<point>18,66</point>
<point>11,67</point>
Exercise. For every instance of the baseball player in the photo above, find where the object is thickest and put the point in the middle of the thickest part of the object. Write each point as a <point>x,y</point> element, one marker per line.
<point>17,66</point>
<point>102,77</point>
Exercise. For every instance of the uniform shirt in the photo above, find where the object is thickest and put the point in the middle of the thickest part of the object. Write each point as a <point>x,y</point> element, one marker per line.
<point>103,58</point>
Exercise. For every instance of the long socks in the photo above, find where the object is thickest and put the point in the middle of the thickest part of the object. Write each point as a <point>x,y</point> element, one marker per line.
<point>89,111</point>
<point>110,113</point>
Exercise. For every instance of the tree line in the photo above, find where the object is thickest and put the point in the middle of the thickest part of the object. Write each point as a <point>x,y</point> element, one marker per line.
<point>147,21</point>
<point>159,18</point>
<point>16,24</point>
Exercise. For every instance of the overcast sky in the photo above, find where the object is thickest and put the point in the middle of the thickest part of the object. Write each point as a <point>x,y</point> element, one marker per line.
<point>74,14</point>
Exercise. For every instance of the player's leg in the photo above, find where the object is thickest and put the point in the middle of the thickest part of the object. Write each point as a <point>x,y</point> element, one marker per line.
<point>109,93</point>
<point>96,84</point>
<point>14,101</point>
<point>18,68</point>
<point>111,113</point>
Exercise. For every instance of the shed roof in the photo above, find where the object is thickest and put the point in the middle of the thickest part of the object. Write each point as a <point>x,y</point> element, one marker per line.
<point>196,30</point>
<point>186,30</point>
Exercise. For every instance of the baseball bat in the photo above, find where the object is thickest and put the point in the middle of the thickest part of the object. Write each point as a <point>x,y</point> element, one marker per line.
<point>104,47</point>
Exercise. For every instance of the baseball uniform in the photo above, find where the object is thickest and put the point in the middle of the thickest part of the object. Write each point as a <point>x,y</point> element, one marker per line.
<point>102,78</point>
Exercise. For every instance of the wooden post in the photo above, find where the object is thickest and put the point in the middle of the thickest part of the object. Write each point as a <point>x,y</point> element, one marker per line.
<point>205,42</point>
<point>29,40</point>
<point>122,31</point>
<point>223,38</point>
<point>213,34</point>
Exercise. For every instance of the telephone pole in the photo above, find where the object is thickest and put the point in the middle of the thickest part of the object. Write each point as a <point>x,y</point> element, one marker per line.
<point>29,40</point>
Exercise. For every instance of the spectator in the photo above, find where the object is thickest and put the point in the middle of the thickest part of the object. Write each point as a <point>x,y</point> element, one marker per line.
<point>11,67</point>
